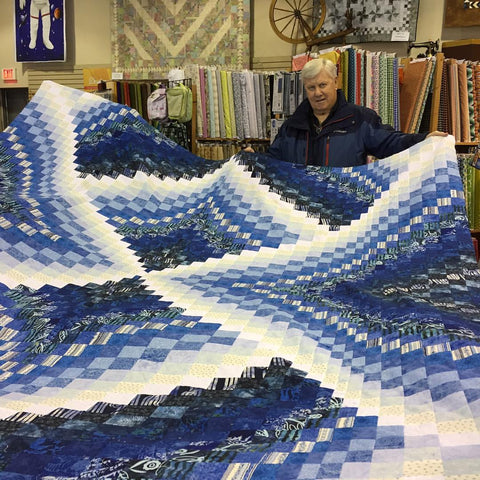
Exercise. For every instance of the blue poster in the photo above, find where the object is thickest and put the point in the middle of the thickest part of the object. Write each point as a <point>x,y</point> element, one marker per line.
<point>40,30</point>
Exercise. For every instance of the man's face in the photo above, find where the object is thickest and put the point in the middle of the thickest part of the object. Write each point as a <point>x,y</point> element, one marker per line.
<point>321,93</point>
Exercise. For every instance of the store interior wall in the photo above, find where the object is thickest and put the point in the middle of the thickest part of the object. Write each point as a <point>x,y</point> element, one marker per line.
<point>88,36</point>
<point>429,28</point>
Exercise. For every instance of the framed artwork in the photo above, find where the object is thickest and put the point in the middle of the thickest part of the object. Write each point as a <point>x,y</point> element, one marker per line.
<point>40,31</point>
<point>461,13</point>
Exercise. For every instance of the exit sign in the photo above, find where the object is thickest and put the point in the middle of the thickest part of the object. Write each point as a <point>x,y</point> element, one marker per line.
<point>9,74</point>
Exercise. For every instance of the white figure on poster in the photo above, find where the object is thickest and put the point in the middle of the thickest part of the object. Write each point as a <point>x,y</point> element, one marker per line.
<point>39,8</point>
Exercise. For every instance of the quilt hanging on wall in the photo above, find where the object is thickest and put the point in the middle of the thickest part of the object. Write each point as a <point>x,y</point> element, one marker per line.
<point>150,37</point>
<point>461,13</point>
<point>163,316</point>
<point>471,4</point>
<point>374,21</point>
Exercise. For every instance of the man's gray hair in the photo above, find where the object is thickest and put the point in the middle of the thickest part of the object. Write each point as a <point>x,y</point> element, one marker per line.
<point>317,65</point>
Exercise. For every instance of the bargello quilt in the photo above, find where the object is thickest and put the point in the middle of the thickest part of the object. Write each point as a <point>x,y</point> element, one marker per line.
<point>164,316</point>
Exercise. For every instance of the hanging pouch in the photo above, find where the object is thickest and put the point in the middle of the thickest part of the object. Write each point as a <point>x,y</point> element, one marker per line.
<point>157,104</point>
<point>180,103</point>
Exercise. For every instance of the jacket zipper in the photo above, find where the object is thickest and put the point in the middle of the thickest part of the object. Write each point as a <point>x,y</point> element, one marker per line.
<point>327,151</point>
<point>338,120</point>
<point>306,150</point>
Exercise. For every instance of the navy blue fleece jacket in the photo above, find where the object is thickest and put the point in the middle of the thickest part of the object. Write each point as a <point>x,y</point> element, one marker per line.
<point>346,137</point>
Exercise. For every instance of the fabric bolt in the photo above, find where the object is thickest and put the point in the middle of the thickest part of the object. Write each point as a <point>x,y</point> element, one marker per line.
<point>471,184</point>
<point>475,194</point>
<point>221,111</point>
<point>444,124</point>
<point>126,94</point>
<point>426,87</point>
<point>263,105</point>
<point>368,80</point>
<point>292,103</point>
<point>300,90</point>
<point>208,112</point>
<point>470,190</point>
<point>277,95</point>
<point>226,105</point>
<point>203,124</point>
<point>360,81</point>
<point>345,63</point>
<point>416,80</point>
<point>470,103</point>
<point>268,103</point>
<point>409,92</point>
<point>193,73</point>
<point>231,104</point>
<point>237,103</point>
<point>285,83</point>
<point>472,95</point>
<point>376,82</point>
<point>464,102</point>
<point>384,88</point>
<point>247,128</point>
<point>396,94</point>
<point>352,71</point>
<point>357,80</point>
<point>390,90</point>
<point>257,105</point>
<point>212,103</point>
<point>454,99</point>
<point>476,76</point>
<point>252,116</point>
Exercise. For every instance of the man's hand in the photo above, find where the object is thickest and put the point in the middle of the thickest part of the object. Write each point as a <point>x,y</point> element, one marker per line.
<point>436,133</point>
<point>246,147</point>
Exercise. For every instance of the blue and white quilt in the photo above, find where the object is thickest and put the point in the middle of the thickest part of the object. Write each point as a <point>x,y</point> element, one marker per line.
<point>163,316</point>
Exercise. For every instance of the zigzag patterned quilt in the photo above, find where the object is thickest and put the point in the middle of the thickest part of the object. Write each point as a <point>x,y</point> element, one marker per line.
<point>169,317</point>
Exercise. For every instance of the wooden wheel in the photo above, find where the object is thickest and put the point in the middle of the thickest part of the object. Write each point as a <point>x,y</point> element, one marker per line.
<point>297,21</point>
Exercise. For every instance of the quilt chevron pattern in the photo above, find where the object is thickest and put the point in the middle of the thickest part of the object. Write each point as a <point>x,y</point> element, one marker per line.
<point>150,37</point>
<point>164,316</point>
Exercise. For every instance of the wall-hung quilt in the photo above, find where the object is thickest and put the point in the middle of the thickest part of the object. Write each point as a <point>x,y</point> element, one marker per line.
<point>154,36</point>
<point>461,13</point>
<point>163,316</point>
<point>374,21</point>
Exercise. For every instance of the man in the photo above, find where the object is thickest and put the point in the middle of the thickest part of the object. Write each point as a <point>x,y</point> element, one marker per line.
<point>327,130</point>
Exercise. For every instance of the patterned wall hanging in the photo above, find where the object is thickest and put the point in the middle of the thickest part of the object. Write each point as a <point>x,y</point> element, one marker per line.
<point>375,21</point>
<point>459,14</point>
<point>40,31</point>
<point>150,37</point>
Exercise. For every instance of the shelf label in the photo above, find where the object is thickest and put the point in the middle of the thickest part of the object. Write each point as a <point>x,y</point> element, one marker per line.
<point>403,36</point>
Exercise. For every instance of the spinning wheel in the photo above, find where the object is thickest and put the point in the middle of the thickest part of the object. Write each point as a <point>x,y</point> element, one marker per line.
<point>296,20</point>
<point>299,21</point>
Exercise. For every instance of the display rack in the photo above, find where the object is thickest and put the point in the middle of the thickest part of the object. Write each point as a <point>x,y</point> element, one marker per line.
<point>134,93</point>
